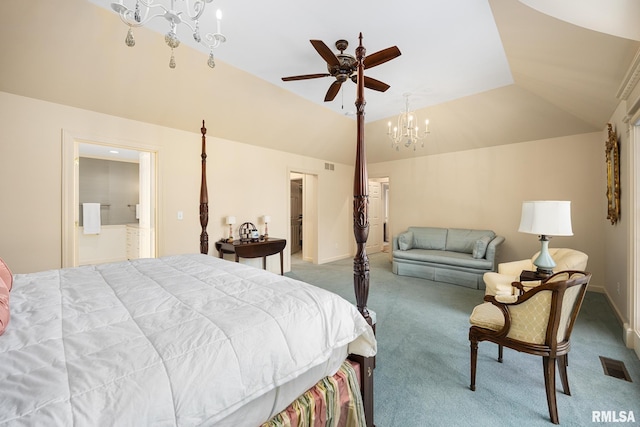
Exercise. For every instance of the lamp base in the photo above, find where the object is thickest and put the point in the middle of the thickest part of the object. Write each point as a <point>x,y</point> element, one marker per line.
<point>544,263</point>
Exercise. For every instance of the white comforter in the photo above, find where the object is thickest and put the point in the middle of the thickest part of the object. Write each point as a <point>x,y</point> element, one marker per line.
<point>181,340</point>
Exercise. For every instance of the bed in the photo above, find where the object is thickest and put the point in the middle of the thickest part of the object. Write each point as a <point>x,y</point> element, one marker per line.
<point>180,340</point>
<point>188,339</point>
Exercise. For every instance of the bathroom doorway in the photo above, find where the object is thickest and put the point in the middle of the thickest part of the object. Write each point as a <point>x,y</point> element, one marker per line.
<point>114,185</point>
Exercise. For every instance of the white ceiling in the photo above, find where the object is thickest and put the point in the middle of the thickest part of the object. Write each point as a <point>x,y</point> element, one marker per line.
<point>450,49</point>
<point>271,40</point>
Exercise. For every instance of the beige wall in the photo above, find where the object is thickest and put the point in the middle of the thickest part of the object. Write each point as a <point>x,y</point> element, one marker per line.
<point>480,188</point>
<point>616,237</point>
<point>243,180</point>
<point>485,189</point>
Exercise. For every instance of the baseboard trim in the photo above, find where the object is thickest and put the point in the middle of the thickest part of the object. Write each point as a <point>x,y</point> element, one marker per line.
<point>630,337</point>
<point>335,258</point>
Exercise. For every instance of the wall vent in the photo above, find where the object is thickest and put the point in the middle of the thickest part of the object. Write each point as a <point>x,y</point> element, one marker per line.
<point>615,368</point>
<point>329,166</point>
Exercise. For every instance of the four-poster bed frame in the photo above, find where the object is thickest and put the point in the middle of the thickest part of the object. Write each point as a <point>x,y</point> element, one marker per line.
<point>360,229</point>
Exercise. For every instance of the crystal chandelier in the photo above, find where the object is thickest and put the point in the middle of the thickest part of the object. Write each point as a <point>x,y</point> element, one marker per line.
<point>185,13</point>
<point>406,131</point>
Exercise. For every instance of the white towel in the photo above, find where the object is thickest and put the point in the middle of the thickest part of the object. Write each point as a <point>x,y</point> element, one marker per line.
<point>91,218</point>
<point>137,210</point>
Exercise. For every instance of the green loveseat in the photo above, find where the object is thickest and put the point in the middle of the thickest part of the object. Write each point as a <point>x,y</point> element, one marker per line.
<point>450,255</point>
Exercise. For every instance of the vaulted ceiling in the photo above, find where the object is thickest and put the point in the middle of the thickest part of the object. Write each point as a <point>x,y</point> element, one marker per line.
<point>485,73</point>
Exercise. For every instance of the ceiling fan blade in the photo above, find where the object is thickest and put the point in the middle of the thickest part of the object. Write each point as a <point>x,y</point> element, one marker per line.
<point>305,77</point>
<point>371,83</point>
<point>325,52</point>
<point>375,84</point>
<point>381,57</point>
<point>333,91</point>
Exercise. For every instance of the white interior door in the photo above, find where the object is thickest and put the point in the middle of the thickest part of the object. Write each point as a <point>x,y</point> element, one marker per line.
<point>376,218</point>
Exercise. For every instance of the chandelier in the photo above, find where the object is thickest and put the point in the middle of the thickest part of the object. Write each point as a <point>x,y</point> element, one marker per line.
<point>407,132</point>
<point>185,13</point>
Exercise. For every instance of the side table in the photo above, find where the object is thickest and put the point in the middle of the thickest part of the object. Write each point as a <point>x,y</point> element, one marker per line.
<point>263,249</point>
<point>528,276</point>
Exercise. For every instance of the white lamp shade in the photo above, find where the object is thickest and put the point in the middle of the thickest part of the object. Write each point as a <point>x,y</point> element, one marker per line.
<point>266,219</point>
<point>231,220</point>
<point>549,218</point>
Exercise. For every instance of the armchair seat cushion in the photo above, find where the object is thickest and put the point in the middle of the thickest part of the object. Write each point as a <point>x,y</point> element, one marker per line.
<point>488,316</point>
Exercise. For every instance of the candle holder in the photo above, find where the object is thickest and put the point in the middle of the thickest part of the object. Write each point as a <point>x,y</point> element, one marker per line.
<point>266,219</point>
<point>230,221</point>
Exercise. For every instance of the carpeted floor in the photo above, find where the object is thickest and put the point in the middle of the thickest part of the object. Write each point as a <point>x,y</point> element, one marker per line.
<point>422,373</point>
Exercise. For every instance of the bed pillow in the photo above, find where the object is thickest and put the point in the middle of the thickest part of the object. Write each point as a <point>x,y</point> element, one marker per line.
<point>5,274</point>
<point>4,306</point>
<point>405,241</point>
<point>480,248</point>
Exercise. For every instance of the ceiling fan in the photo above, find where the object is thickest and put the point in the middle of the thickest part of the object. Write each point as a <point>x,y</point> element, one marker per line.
<point>343,67</point>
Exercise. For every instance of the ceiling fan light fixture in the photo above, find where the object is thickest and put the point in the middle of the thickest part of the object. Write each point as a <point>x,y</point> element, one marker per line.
<point>343,67</point>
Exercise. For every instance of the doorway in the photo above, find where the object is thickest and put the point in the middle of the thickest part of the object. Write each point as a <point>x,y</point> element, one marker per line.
<point>121,180</point>
<point>303,208</point>
<point>296,216</point>
<point>378,215</point>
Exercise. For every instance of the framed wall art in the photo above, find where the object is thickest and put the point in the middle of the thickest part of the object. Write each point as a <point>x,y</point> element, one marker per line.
<point>612,155</point>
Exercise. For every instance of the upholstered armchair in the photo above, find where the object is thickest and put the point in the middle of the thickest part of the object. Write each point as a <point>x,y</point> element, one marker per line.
<point>538,322</point>
<point>499,283</point>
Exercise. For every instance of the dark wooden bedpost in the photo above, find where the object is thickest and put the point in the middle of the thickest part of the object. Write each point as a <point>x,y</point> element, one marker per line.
<point>361,198</point>
<point>204,198</point>
<point>361,232</point>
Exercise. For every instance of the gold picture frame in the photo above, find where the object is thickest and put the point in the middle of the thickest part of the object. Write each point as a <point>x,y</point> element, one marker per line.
<point>612,155</point>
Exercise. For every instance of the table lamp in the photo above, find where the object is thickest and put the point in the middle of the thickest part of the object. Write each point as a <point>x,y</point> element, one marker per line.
<point>546,218</point>
<point>230,221</point>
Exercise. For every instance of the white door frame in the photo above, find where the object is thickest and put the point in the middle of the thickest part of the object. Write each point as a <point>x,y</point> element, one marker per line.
<point>70,197</point>
<point>309,215</point>
<point>632,330</point>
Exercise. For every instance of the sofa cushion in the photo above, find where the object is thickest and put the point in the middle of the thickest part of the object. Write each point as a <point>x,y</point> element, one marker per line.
<point>443,258</point>
<point>480,248</point>
<point>429,237</point>
<point>405,241</point>
<point>464,240</point>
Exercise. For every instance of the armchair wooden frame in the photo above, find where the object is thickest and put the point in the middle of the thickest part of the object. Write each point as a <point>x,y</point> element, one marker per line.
<point>555,345</point>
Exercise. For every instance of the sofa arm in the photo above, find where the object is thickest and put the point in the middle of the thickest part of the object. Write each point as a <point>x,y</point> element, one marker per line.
<point>514,268</point>
<point>394,244</point>
<point>492,249</point>
<point>499,284</point>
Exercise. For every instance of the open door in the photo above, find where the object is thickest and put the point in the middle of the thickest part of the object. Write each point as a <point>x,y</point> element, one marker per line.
<point>376,217</point>
<point>296,215</point>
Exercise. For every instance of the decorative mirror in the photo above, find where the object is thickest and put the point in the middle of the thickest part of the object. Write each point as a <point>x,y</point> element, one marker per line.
<point>248,232</point>
<point>613,176</point>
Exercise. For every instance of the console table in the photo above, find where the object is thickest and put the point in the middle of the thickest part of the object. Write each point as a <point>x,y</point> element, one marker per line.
<point>269,246</point>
